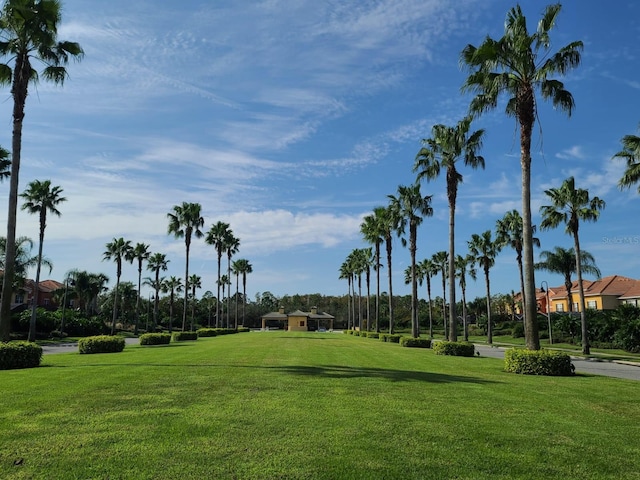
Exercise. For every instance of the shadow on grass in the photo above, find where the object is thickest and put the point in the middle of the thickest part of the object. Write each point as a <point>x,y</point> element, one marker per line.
<point>338,372</point>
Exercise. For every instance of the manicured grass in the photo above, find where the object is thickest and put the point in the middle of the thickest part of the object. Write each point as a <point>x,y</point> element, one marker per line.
<point>309,406</point>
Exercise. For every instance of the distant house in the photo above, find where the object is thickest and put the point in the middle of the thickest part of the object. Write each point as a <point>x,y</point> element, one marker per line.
<point>23,298</point>
<point>298,321</point>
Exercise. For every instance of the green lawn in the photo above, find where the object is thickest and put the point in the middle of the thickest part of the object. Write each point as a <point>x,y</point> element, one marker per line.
<point>305,406</point>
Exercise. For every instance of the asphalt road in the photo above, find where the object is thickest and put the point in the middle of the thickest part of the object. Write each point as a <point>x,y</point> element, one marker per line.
<point>618,369</point>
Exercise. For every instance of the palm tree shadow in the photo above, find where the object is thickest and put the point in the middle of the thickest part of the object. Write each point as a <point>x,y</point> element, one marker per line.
<point>345,372</point>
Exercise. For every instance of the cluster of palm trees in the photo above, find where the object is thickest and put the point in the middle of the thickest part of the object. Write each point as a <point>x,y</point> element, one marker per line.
<point>518,66</point>
<point>186,222</point>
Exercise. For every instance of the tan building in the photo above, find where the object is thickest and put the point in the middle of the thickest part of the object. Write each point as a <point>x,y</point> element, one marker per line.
<point>299,321</point>
<point>604,294</point>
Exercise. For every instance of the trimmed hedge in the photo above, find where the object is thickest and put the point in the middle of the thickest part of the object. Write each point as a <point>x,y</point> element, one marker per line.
<point>373,335</point>
<point>538,362</point>
<point>390,337</point>
<point>101,344</point>
<point>207,332</point>
<point>456,349</point>
<point>243,329</point>
<point>19,355</point>
<point>415,342</point>
<point>182,336</point>
<point>155,339</point>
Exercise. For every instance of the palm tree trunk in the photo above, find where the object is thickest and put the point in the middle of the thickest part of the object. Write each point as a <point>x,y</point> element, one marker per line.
<point>237,292</point>
<point>430,306</point>
<point>34,307</point>
<point>583,314</point>
<point>453,319</point>
<point>156,300</point>
<point>360,302</point>
<point>186,289</point>
<point>444,302</point>
<point>415,328</point>
<point>135,330</point>
<point>115,304</point>
<point>522,295</point>
<point>378,287</point>
<point>465,328</point>
<point>218,297</point>
<point>244,295</point>
<point>368,281</point>
<point>389,247</point>
<point>489,327</point>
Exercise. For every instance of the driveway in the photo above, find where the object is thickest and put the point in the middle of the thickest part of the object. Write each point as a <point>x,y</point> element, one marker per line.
<point>615,368</point>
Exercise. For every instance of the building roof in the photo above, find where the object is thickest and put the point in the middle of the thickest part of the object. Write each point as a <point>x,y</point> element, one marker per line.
<point>297,313</point>
<point>613,285</point>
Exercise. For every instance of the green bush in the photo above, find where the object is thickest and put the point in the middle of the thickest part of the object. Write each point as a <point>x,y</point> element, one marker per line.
<point>101,344</point>
<point>373,335</point>
<point>415,342</point>
<point>155,339</point>
<point>182,336</point>
<point>243,329</point>
<point>19,355</point>
<point>356,333</point>
<point>456,349</point>
<point>393,337</point>
<point>518,331</point>
<point>537,362</point>
<point>207,332</point>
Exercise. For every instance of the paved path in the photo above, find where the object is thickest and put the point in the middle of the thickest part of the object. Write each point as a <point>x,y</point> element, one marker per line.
<point>618,369</point>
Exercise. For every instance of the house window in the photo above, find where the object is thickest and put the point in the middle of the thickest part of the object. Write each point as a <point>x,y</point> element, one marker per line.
<point>575,307</point>
<point>46,301</point>
<point>19,298</point>
<point>592,304</point>
<point>559,307</point>
<point>302,323</point>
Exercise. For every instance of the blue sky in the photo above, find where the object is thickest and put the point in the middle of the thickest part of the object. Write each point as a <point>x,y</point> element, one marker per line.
<point>293,120</point>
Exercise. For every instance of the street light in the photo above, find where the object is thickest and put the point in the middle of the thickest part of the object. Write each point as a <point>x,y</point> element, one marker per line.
<point>547,308</point>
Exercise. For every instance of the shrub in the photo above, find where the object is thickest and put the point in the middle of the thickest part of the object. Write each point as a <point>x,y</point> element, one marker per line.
<point>101,344</point>
<point>393,337</point>
<point>207,332</point>
<point>537,362</point>
<point>155,339</point>
<point>243,329</point>
<point>19,355</point>
<point>415,342</point>
<point>457,349</point>
<point>182,336</point>
<point>373,335</point>
<point>518,331</point>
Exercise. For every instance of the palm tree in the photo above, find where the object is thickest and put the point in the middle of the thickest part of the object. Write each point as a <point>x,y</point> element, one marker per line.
<point>172,285</point>
<point>563,262</point>
<point>117,250</point>
<point>5,164</point>
<point>509,232</point>
<point>86,288</point>
<point>155,263</point>
<point>140,253</point>
<point>484,251</point>
<point>185,222</point>
<point>23,261</point>
<point>232,246</point>
<point>224,283</point>
<point>441,262</point>
<point>442,151</point>
<point>194,282</point>
<point>242,267</point>
<point>518,65</point>
<point>411,207</point>
<point>372,233</point>
<point>30,31</point>
<point>216,236</point>
<point>389,221</point>
<point>209,301</point>
<point>631,154</point>
<point>569,206</point>
<point>367,263</point>
<point>465,266</point>
<point>346,273</point>
<point>427,269</point>
<point>40,198</point>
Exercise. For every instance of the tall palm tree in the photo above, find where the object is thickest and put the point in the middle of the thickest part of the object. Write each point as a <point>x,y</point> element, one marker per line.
<point>569,206</point>
<point>465,265</point>
<point>373,235</point>
<point>441,262</point>
<point>29,33</point>
<point>216,237</point>
<point>117,250</point>
<point>185,222</point>
<point>517,66</point>
<point>172,285</point>
<point>484,251</point>
<point>509,232</point>
<point>40,198</point>
<point>631,154</point>
<point>156,263</point>
<point>209,301</point>
<point>563,262</point>
<point>442,151</point>
<point>86,287</point>
<point>427,269</point>
<point>368,263</point>
<point>389,221</point>
<point>224,282</point>
<point>411,207</point>
<point>346,273</point>
<point>242,267</point>
<point>139,253</point>
<point>232,244</point>
<point>195,282</point>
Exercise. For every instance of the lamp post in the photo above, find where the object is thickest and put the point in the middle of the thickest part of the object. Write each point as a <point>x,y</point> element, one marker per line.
<point>547,308</point>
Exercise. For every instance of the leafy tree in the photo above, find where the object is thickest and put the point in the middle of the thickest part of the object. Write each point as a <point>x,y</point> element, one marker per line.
<point>442,151</point>
<point>185,222</point>
<point>484,251</point>
<point>630,153</point>
<point>117,250</point>
<point>40,198</point>
<point>411,207</point>
<point>569,206</point>
<point>518,65</point>
<point>139,253</point>
<point>29,33</point>
<point>156,263</point>
<point>216,237</point>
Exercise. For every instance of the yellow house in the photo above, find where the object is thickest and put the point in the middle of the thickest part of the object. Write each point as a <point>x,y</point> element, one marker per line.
<point>299,321</point>
<point>604,294</point>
